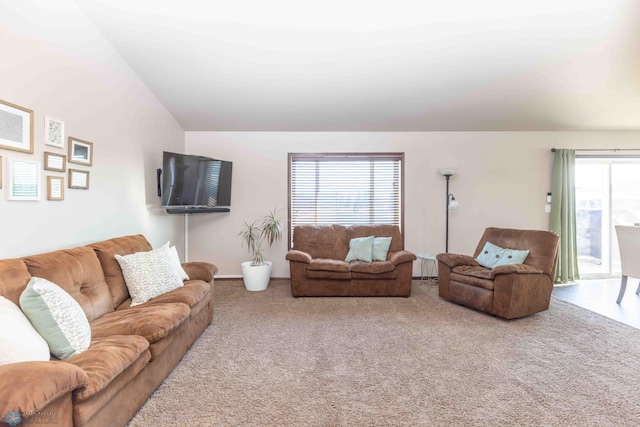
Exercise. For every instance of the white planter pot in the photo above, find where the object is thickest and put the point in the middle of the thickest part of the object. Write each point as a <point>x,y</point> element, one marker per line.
<point>256,277</point>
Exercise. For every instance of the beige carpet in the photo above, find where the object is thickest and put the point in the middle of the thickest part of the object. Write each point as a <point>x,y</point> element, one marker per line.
<point>271,360</point>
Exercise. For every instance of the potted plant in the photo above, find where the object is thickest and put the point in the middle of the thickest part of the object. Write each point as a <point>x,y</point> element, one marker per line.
<point>266,229</point>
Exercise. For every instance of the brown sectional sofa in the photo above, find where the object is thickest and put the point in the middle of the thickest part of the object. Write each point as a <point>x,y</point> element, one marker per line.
<point>132,349</point>
<point>318,267</point>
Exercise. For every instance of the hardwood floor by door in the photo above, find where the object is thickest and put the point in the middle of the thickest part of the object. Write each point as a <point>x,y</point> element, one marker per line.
<point>600,296</point>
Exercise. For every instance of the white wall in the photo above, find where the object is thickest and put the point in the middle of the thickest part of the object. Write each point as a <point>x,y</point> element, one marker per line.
<point>503,179</point>
<point>55,62</point>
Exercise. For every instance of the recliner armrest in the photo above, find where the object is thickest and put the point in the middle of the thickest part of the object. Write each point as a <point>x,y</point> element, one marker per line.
<point>515,269</point>
<point>30,386</point>
<point>400,257</point>
<point>200,270</point>
<point>295,255</point>
<point>454,260</point>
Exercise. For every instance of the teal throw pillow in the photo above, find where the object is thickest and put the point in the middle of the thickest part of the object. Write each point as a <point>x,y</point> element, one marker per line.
<point>361,249</point>
<point>57,317</point>
<point>512,256</point>
<point>381,248</point>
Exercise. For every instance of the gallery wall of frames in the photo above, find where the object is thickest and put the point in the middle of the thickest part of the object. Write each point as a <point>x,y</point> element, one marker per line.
<point>66,163</point>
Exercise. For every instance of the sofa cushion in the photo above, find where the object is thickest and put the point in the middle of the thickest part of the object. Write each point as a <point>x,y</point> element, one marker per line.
<point>473,275</point>
<point>322,241</point>
<point>106,251</point>
<point>328,275</point>
<point>190,294</point>
<point>149,274</point>
<point>108,357</point>
<point>19,341</point>
<point>377,267</point>
<point>57,317</point>
<point>152,322</point>
<point>334,265</point>
<point>79,273</point>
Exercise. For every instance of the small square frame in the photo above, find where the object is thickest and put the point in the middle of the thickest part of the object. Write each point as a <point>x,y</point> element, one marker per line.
<point>53,132</point>
<point>16,127</point>
<point>55,188</point>
<point>55,162</point>
<point>78,179</point>
<point>80,151</point>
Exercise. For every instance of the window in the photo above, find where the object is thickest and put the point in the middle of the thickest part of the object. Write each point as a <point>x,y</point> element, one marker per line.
<point>345,188</point>
<point>607,194</point>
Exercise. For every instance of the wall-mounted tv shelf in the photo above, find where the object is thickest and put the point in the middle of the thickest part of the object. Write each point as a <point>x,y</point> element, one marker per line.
<point>196,210</point>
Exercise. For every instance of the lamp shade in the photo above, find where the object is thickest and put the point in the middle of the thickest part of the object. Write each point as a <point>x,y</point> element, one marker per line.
<point>453,203</point>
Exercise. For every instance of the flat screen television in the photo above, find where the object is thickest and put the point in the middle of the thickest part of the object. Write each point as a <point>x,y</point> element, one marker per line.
<point>191,182</point>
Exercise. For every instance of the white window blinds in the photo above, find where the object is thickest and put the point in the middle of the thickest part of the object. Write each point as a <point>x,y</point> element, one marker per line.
<point>345,189</point>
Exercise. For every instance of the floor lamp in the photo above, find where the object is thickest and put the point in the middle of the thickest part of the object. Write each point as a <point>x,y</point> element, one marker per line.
<point>450,203</point>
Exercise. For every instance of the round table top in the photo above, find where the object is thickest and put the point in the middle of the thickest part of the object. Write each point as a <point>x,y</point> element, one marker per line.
<point>426,255</point>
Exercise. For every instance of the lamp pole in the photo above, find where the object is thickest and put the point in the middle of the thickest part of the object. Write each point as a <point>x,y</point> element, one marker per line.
<point>446,206</point>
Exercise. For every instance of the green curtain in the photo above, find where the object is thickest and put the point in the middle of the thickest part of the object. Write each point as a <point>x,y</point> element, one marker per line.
<point>563,214</point>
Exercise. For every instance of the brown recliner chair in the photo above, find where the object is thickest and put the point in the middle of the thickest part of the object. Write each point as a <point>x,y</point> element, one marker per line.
<point>508,291</point>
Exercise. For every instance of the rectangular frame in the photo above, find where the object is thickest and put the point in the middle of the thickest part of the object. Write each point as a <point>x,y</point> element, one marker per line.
<point>16,127</point>
<point>53,132</point>
<point>0,172</point>
<point>78,179</point>
<point>80,151</point>
<point>55,188</point>
<point>24,180</point>
<point>55,162</point>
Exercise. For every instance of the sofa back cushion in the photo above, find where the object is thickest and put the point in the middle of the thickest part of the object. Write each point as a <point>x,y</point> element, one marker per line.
<point>107,251</point>
<point>542,245</point>
<point>378,230</point>
<point>322,241</point>
<point>79,273</point>
<point>14,277</point>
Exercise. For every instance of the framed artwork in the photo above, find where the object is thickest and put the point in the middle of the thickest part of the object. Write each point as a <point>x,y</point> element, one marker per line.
<point>16,127</point>
<point>53,132</point>
<point>78,179</point>
<point>55,162</point>
<point>80,151</point>
<point>24,180</point>
<point>55,188</point>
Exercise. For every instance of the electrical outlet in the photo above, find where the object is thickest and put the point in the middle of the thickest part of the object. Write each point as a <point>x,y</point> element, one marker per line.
<point>547,208</point>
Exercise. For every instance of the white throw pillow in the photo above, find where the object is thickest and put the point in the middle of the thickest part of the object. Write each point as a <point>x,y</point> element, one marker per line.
<point>176,262</point>
<point>57,317</point>
<point>149,274</point>
<point>19,341</point>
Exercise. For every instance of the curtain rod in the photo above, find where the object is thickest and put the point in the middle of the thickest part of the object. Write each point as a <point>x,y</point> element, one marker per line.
<point>553,150</point>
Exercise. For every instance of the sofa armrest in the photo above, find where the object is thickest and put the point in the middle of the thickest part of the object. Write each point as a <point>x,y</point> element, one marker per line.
<point>400,257</point>
<point>200,270</point>
<point>515,269</point>
<point>454,260</point>
<point>294,255</point>
<point>31,386</point>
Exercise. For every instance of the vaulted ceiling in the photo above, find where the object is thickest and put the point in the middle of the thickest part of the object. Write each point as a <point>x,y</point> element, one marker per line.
<point>383,65</point>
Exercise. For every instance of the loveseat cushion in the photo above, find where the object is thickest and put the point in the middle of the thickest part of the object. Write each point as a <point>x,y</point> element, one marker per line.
<point>153,322</point>
<point>322,264</point>
<point>79,273</point>
<point>377,267</point>
<point>109,357</point>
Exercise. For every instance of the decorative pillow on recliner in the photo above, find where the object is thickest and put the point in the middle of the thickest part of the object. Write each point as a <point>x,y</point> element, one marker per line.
<point>149,274</point>
<point>361,249</point>
<point>493,256</point>
<point>381,248</point>
<point>57,317</point>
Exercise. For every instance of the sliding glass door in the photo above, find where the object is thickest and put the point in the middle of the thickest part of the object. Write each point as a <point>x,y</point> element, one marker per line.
<point>607,194</point>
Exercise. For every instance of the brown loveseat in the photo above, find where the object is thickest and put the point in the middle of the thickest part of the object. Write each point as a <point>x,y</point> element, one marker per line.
<point>318,267</point>
<point>508,291</point>
<point>132,348</point>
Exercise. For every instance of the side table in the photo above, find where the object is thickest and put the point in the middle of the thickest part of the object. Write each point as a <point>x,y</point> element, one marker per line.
<point>428,268</point>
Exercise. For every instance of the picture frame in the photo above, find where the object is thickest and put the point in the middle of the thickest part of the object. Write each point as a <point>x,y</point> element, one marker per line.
<point>24,180</point>
<point>55,188</point>
<point>53,132</point>
<point>80,151</point>
<point>55,162</point>
<point>16,127</point>
<point>0,172</point>
<point>78,179</point>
